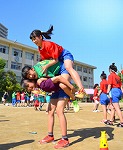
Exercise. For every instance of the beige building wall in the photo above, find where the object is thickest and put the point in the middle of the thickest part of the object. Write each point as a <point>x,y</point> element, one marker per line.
<point>18,55</point>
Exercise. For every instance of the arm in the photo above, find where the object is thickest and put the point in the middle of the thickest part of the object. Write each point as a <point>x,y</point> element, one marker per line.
<point>53,62</point>
<point>109,88</point>
<point>100,91</point>
<point>40,80</point>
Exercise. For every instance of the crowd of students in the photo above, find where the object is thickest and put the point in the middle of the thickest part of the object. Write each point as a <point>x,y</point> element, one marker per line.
<point>108,94</point>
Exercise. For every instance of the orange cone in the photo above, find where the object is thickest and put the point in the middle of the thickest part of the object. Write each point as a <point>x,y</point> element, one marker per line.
<point>103,141</point>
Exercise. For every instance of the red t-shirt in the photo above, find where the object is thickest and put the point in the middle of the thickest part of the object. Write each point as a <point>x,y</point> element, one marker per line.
<point>104,86</point>
<point>114,80</point>
<point>95,95</point>
<point>50,50</point>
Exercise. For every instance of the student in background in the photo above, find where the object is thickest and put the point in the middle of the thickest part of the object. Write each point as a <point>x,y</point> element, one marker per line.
<point>96,98</point>
<point>115,87</point>
<point>104,100</point>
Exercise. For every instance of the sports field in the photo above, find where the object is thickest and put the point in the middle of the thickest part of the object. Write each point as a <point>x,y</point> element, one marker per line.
<point>84,127</point>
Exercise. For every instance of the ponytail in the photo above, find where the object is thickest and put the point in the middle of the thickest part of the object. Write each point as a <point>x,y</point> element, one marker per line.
<point>38,33</point>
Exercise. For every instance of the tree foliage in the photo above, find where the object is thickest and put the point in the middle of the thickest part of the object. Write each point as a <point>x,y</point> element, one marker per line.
<point>8,80</point>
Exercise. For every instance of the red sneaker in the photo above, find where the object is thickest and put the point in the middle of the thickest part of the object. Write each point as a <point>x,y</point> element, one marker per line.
<point>62,144</point>
<point>47,139</point>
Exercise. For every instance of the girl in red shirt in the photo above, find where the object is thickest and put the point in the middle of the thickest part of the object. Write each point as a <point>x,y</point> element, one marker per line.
<point>115,85</point>
<point>96,98</point>
<point>51,50</point>
<point>104,100</point>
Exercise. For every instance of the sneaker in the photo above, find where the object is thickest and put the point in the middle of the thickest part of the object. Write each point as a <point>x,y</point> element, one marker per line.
<point>98,110</point>
<point>94,110</point>
<point>47,139</point>
<point>62,144</point>
<point>80,94</point>
<point>104,121</point>
<point>76,107</point>
<point>120,125</point>
<point>109,122</point>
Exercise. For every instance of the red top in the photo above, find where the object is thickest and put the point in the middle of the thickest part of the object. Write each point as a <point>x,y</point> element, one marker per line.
<point>95,92</point>
<point>104,86</point>
<point>95,95</point>
<point>50,50</point>
<point>114,80</point>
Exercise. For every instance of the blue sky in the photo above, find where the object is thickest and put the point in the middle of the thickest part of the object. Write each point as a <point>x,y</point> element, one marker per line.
<point>91,29</point>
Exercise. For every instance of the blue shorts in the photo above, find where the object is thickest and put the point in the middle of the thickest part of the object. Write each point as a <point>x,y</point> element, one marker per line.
<point>116,95</point>
<point>27,98</point>
<point>59,94</point>
<point>62,69</point>
<point>65,55</point>
<point>104,100</point>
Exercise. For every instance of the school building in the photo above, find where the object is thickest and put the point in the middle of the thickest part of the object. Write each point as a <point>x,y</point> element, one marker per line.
<point>17,55</point>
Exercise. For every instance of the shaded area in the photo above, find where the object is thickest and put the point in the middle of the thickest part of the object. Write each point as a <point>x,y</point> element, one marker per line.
<point>4,120</point>
<point>7,146</point>
<point>90,132</point>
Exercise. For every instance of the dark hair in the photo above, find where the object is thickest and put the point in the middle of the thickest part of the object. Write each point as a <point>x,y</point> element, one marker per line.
<point>46,35</point>
<point>25,71</point>
<point>24,82</point>
<point>113,67</point>
<point>103,75</point>
<point>95,85</point>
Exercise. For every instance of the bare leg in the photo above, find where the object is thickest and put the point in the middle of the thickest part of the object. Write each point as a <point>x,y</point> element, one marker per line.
<point>63,81</point>
<point>119,113</point>
<point>75,76</point>
<point>104,107</point>
<point>60,113</point>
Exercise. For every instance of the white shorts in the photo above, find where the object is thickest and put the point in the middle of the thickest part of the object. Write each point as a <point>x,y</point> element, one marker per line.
<point>23,101</point>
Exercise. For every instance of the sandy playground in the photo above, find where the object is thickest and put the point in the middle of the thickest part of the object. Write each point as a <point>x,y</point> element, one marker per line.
<point>84,129</point>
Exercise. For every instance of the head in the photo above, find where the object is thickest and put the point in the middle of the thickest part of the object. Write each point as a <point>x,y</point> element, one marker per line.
<point>112,68</point>
<point>103,75</point>
<point>28,84</point>
<point>96,86</point>
<point>29,73</point>
<point>37,36</point>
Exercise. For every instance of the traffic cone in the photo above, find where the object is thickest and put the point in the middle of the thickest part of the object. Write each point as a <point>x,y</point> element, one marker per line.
<point>103,141</point>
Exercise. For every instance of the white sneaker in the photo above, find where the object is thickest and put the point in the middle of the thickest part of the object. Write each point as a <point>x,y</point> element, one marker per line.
<point>94,110</point>
<point>98,110</point>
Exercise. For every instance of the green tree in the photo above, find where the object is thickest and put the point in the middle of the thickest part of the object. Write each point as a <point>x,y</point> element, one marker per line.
<point>8,80</point>
<point>120,75</point>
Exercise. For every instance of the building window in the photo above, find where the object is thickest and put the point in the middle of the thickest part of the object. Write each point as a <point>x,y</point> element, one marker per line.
<point>16,66</point>
<point>16,52</point>
<point>28,65</point>
<point>84,79</point>
<point>79,68</point>
<point>74,66</point>
<point>90,80</point>
<point>90,71</point>
<point>29,56</point>
<point>4,49</point>
<point>18,78</point>
<point>38,58</point>
<point>85,70</point>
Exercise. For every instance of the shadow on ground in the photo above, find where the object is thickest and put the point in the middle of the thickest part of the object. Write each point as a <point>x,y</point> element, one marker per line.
<point>7,146</point>
<point>90,132</point>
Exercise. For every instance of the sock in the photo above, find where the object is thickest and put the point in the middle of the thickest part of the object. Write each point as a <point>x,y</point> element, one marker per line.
<point>50,134</point>
<point>65,137</point>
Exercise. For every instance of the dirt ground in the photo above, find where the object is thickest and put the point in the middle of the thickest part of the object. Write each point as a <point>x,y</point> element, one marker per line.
<point>84,129</point>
